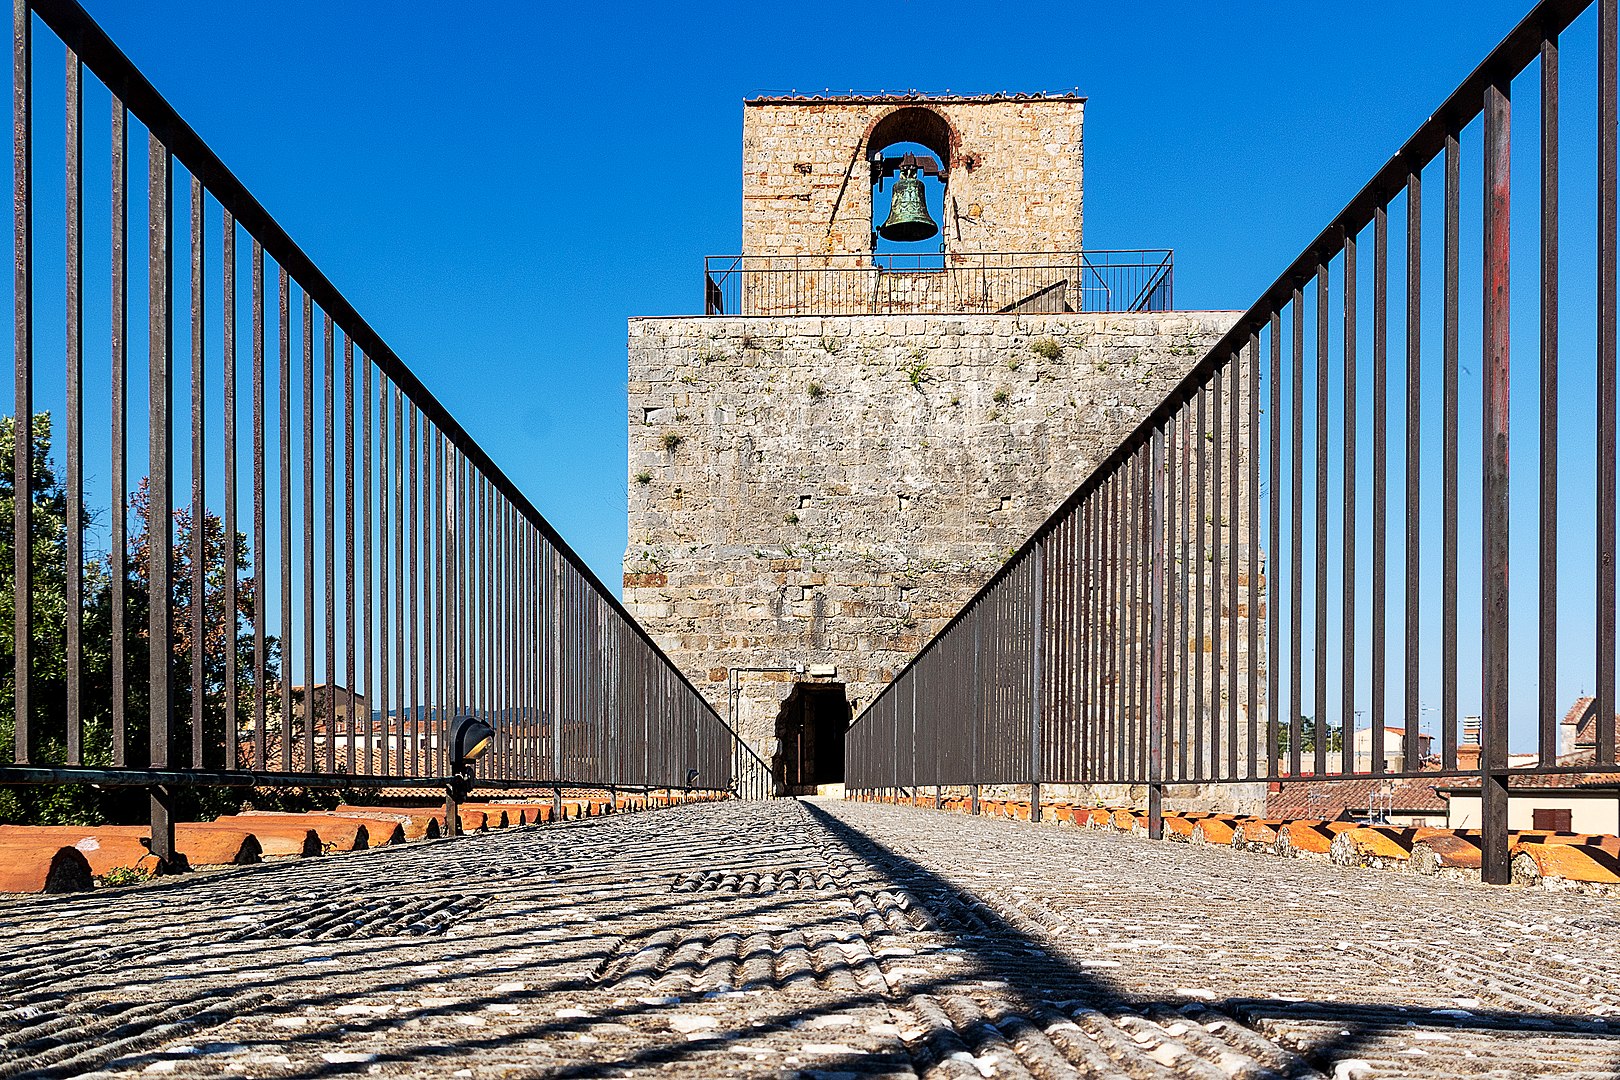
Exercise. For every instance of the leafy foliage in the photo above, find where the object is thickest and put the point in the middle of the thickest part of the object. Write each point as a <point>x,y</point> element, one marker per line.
<point>83,804</point>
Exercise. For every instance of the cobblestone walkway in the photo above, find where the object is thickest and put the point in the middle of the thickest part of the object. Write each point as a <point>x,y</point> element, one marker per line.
<point>815,939</point>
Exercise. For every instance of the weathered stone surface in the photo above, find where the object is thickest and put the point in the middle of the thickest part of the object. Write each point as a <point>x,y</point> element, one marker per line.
<point>829,491</point>
<point>836,939</point>
<point>1015,165</point>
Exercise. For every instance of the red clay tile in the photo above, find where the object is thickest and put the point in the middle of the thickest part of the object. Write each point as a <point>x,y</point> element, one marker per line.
<point>42,867</point>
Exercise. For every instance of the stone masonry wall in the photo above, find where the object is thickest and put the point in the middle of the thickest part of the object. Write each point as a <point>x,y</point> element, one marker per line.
<point>1015,168</point>
<point>829,491</point>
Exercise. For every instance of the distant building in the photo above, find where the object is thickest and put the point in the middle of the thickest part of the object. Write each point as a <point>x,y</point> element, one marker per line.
<point>1578,730</point>
<point>1588,803</point>
<point>1391,802</point>
<point>1394,750</point>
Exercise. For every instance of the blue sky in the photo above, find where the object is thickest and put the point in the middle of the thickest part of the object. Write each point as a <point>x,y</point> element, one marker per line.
<point>500,188</point>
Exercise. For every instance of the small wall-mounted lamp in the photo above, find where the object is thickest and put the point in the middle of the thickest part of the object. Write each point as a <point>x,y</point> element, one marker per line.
<point>469,740</point>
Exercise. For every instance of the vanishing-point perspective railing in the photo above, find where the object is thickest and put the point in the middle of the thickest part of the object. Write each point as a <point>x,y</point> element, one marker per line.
<point>345,572</point>
<point>1188,611</point>
<point>941,283</point>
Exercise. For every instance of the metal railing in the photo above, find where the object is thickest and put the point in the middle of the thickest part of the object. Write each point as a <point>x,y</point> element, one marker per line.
<point>1188,611</point>
<point>944,283</point>
<point>345,572</point>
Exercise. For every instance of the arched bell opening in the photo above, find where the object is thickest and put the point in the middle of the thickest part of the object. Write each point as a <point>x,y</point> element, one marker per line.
<point>909,152</point>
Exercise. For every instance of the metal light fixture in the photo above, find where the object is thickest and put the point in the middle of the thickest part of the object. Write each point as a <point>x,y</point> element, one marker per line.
<point>468,742</point>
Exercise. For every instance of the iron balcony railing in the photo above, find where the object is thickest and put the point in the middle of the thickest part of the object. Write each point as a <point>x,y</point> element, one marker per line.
<point>939,283</point>
<point>345,571</point>
<point>1229,598</point>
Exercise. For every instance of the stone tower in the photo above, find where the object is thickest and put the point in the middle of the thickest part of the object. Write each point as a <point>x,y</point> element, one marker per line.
<point>828,463</point>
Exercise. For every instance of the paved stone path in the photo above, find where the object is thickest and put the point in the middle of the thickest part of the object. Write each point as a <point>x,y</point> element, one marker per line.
<point>814,939</point>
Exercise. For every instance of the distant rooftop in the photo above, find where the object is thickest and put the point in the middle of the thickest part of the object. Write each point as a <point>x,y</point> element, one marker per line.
<point>796,97</point>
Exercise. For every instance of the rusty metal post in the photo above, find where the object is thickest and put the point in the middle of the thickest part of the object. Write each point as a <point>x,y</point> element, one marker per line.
<point>1037,675</point>
<point>162,842</point>
<point>452,811</point>
<point>1495,857</point>
<point>1156,633</point>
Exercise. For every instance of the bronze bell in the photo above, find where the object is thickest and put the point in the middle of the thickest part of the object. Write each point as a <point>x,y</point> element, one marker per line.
<point>908,209</point>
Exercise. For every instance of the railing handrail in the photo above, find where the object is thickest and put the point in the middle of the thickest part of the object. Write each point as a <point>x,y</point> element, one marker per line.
<point>1509,57</point>
<point>75,26</point>
<point>958,281</point>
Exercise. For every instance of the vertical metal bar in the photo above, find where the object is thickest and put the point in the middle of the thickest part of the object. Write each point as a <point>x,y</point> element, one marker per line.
<point>1606,305</point>
<point>118,556</point>
<point>1037,642</point>
<point>329,609</point>
<point>1380,452</point>
<point>1319,706</point>
<point>1213,625</point>
<point>1495,866</point>
<point>367,544</point>
<point>1347,553</point>
<point>284,445</point>
<point>351,623</point>
<point>1257,767</point>
<point>1274,490</point>
<point>1189,559</point>
<point>384,601</point>
<point>22,582</point>
<point>413,619</point>
<point>261,675</point>
<point>1200,612</point>
<point>74,342</point>
<point>308,451</point>
<point>1448,511</point>
<point>1296,523</point>
<point>401,701</point>
<point>1172,662</point>
<point>1155,763</point>
<point>1234,391</point>
<point>230,615</point>
<point>160,488</point>
<point>1547,622</point>
<point>1410,758</point>
<point>199,595</point>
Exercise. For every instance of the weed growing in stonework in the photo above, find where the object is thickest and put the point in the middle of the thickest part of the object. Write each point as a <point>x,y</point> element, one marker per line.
<point>917,372</point>
<point>643,477</point>
<point>749,341</point>
<point>672,440</point>
<point>1012,363</point>
<point>815,390</point>
<point>1000,396</point>
<point>792,518</point>
<point>830,344</point>
<point>1047,349</point>
<point>126,875</point>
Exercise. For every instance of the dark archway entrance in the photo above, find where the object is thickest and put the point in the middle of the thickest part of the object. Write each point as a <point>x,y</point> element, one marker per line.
<point>810,738</point>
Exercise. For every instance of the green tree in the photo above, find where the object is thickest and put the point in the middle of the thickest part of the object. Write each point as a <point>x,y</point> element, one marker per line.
<point>1307,737</point>
<point>42,804</point>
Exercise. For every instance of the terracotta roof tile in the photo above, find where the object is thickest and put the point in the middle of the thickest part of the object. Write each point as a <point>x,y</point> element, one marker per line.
<point>1327,800</point>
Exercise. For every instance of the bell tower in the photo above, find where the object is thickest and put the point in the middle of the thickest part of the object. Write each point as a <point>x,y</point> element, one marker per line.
<point>910,362</point>
<point>821,175</point>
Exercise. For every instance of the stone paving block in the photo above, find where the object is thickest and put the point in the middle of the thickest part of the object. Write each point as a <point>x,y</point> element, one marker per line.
<point>1591,863</point>
<point>813,939</point>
